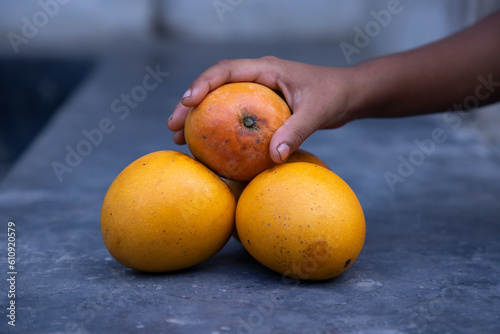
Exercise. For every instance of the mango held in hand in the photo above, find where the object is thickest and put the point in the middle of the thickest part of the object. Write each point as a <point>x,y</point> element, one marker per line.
<point>301,220</point>
<point>166,211</point>
<point>231,129</point>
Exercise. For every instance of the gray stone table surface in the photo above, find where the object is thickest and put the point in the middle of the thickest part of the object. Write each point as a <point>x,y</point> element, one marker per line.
<point>430,263</point>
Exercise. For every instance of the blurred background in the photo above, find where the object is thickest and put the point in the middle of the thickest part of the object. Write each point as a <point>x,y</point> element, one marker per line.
<point>48,46</point>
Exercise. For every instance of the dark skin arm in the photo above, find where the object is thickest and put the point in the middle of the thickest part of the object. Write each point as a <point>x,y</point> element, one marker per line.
<point>432,78</point>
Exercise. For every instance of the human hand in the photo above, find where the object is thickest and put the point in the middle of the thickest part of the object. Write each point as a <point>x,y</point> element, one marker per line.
<point>318,97</point>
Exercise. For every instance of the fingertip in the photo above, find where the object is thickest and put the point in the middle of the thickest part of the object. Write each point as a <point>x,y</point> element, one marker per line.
<point>289,137</point>
<point>193,96</point>
<point>179,138</point>
<point>280,146</point>
<point>282,152</point>
<point>176,120</point>
<point>187,94</point>
<point>189,99</point>
<point>169,123</point>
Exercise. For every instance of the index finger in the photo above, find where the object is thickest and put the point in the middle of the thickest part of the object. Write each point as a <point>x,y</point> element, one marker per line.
<point>262,70</point>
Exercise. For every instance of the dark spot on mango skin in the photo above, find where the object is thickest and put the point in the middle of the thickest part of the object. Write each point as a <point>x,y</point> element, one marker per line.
<point>347,263</point>
<point>316,254</point>
<point>263,122</point>
<point>319,250</point>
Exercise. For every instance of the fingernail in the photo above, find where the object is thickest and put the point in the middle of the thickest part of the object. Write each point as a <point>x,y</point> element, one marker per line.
<point>187,94</point>
<point>283,151</point>
<point>170,118</point>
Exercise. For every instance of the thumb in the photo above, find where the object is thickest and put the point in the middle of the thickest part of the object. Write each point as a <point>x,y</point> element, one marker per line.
<point>290,136</point>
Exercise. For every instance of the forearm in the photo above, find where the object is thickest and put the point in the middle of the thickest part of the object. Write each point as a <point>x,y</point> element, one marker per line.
<point>437,77</point>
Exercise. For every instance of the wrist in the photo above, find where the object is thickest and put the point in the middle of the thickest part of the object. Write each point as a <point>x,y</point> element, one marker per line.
<point>358,93</point>
<point>375,87</point>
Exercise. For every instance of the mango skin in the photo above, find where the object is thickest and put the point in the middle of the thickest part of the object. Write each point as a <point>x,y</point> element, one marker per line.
<point>301,220</point>
<point>166,212</point>
<point>218,135</point>
<point>301,155</point>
